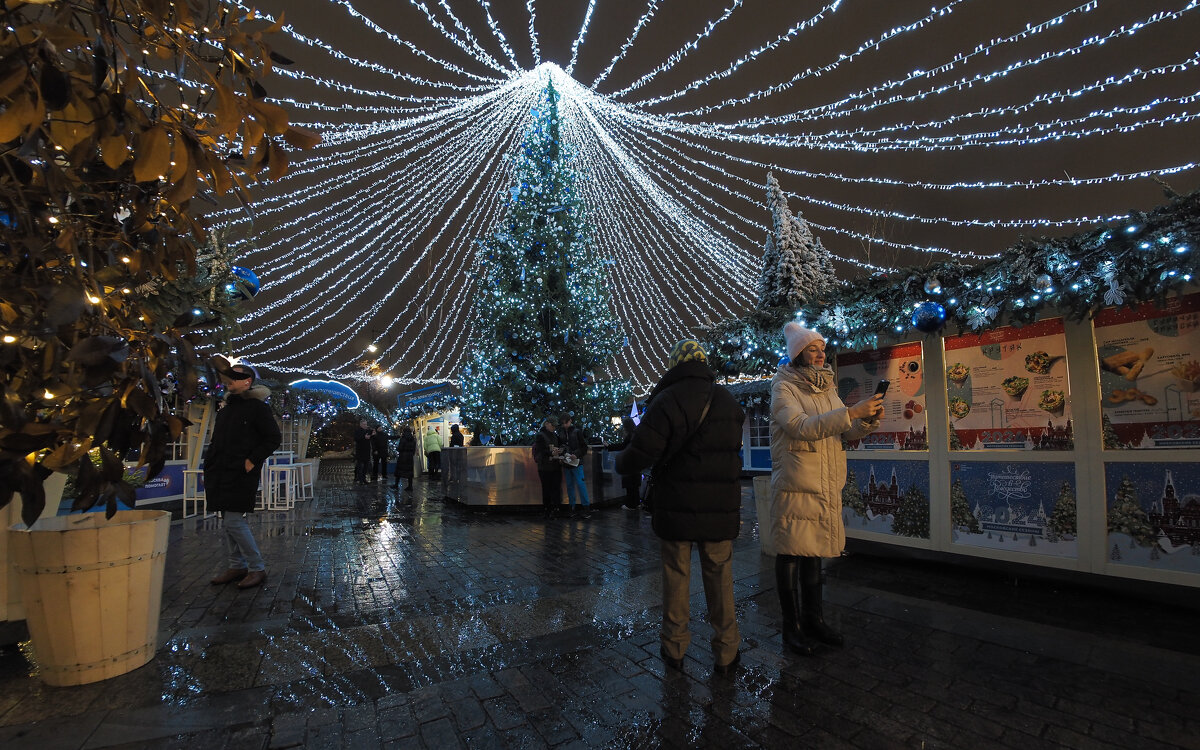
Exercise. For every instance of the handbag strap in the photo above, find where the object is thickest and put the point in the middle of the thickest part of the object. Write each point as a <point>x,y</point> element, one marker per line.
<point>707,405</point>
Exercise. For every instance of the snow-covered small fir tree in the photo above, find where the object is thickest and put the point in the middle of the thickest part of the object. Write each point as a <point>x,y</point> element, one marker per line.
<point>961,516</point>
<point>852,496</point>
<point>543,324</point>
<point>1126,516</point>
<point>1062,519</point>
<point>797,269</point>
<point>912,515</point>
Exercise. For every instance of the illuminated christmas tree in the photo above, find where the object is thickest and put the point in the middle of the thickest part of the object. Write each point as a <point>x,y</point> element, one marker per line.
<point>544,327</point>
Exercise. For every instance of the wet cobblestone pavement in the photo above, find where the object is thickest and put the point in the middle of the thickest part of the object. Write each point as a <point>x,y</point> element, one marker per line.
<point>390,623</point>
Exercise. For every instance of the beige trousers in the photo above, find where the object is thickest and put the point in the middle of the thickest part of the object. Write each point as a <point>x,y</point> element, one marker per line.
<point>716,571</point>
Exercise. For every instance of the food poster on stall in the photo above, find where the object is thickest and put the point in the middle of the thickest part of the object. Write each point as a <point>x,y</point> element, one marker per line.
<point>902,426</point>
<point>1153,513</point>
<point>887,497</point>
<point>1007,388</point>
<point>1027,508</point>
<point>1149,361</point>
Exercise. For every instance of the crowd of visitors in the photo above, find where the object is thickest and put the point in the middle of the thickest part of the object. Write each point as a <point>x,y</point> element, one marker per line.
<point>688,443</point>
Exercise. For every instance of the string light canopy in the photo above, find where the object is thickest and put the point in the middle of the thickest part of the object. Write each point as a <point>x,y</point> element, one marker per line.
<point>905,133</point>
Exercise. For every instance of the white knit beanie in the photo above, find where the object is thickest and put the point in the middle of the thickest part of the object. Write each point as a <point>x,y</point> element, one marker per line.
<point>798,337</point>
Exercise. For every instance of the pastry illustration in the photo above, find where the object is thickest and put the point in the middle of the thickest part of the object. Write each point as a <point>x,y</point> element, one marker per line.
<point>1127,363</point>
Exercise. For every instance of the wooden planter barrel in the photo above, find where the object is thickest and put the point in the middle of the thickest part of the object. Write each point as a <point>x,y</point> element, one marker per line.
<point>92,589</point>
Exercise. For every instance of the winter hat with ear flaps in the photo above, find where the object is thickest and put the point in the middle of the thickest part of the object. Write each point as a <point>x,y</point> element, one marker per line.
<point>798,337</point>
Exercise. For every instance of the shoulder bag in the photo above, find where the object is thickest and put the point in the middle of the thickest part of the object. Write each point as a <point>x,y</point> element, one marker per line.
<point>648,489</point>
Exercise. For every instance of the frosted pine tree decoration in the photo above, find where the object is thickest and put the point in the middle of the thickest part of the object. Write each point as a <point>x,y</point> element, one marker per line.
<point>797,269</point>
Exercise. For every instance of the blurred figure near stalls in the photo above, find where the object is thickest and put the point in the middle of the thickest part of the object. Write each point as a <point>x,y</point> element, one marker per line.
<point>362,451</point>
<point>406,451</point>
<point>630,483</point>
<point>456,436</point>
<point>379,453</point>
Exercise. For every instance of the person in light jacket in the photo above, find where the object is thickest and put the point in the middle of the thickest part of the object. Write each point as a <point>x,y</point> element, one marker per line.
<point>808,471</point>
<point>432,443</point>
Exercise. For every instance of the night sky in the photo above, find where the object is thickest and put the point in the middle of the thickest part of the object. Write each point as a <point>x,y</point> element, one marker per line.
<point>856,214</point>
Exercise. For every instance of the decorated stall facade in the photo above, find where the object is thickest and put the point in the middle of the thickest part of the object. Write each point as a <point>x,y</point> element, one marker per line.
<point>1044,406</point>
<point>1075,444</point>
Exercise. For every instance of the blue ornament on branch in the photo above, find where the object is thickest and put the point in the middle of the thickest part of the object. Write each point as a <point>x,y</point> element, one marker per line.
<point>928,317</point>
<point>249,283</point>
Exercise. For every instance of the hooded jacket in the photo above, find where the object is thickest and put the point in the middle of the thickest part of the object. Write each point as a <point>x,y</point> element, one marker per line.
<point>808,464</point>
<point>244,429</point>
<point>406,448</point>
<point>696,492</point>
<point>432,442</point>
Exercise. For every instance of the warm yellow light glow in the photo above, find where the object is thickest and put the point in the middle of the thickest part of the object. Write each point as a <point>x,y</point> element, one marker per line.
<point>93,299</point>
<point>47,394</point>
<point>372,348</point>
<point>10,339</point>
<point>126,259</point>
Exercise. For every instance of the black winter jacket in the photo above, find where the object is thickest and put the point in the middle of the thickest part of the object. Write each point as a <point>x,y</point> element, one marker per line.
<point>696,492</point>
<point>244,429</point>
<point>406,448</point>
<point>574,441</point>
<point>542,443</point>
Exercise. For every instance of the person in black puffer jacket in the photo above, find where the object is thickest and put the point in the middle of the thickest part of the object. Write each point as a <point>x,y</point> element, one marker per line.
<point>696,495</point>
<point>244,435</point>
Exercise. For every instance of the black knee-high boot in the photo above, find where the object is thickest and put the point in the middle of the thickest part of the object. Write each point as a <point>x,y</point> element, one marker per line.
<point>786,572</point>
<point>811,595</point>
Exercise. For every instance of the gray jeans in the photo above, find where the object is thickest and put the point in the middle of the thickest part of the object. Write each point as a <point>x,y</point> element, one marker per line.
<point>243,551</point>
<point>716,573</point>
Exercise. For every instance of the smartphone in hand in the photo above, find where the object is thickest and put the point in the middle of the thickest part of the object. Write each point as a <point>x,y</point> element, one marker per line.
<point>882,387</point>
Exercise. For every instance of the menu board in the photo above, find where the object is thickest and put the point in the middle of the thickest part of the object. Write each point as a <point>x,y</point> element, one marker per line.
<point>902,426</point>
<point>1028,508</point>
<point>1149,361</point>
<point>1007,388</point>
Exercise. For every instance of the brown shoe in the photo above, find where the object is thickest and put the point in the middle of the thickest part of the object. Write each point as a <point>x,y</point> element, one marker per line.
<point>233,574</point>
<point>253,579</point>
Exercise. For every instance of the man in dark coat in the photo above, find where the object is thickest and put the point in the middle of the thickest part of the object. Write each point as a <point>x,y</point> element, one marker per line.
<point>244,435</point>
<point>379,454</point>
<point>696,496</point>
<point>362,452</point>
<point>406,449</point>
<point>547,447</point>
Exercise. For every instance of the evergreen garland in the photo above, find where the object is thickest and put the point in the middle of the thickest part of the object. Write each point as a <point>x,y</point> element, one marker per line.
<point>1143,258</point>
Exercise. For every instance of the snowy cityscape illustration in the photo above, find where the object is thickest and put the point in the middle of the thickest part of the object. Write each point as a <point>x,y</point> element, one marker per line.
<point>1153,515</point>
<point>1028,508</point>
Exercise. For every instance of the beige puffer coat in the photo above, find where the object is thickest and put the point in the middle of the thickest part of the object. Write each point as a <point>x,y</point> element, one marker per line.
<point>808,464</point>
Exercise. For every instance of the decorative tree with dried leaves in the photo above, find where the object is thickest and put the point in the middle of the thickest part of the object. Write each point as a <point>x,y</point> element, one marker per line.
<point>116,115</point>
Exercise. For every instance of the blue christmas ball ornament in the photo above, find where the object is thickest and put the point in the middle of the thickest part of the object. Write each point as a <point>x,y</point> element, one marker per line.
<point>928,317</point>
<point>249,280</point>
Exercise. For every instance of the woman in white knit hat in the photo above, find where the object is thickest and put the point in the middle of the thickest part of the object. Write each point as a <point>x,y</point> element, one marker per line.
<point>808,470</point>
